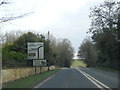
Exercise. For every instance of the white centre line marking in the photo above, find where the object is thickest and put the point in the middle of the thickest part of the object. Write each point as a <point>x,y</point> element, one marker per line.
<point>94,81</point>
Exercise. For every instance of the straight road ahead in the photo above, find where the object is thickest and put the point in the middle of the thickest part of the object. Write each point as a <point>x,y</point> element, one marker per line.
<point>81,78</point>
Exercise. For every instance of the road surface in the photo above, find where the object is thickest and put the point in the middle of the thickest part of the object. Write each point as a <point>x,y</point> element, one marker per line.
<point>81,78</point>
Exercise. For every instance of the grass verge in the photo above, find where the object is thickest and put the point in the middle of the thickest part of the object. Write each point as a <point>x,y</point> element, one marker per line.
<point>78,63</point>
<point>30,80</point>
<point>107,69</point>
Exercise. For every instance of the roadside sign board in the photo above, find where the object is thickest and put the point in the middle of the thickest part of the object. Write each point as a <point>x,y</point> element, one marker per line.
<point>39,62</point>
<point>35,50</point>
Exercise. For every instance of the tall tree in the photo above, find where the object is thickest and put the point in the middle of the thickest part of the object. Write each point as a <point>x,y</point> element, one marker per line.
<point>21,43</point>
<point>59,52</point>
<point>87,52</point>
<point>65,53</point>
<point>104,27</point>
<point>104,16</point>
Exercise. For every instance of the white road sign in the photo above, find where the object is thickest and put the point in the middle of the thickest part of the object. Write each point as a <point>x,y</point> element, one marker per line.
<point>35,50</point>
<point>39,62</point>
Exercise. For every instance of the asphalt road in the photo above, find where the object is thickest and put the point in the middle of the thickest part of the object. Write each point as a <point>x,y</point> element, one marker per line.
<point>108,78</point>
<point>80,78</point>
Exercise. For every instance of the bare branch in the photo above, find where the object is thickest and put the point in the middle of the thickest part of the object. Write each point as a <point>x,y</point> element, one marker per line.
<point>4,2</point>
<point>5,19</point>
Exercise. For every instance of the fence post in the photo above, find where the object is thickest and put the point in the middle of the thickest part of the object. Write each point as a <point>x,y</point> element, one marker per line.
<point>35,70</point>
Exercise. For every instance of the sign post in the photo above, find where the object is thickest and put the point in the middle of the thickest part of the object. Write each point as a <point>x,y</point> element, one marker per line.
<point>36,54</point>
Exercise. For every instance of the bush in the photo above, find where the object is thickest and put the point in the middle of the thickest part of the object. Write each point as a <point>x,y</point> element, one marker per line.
<point>12,58</point>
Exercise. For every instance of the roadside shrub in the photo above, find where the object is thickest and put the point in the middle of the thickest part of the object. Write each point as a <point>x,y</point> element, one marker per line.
<point>12,58</point>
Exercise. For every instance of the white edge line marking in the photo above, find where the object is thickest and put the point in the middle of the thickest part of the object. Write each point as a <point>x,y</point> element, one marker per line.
<point>89,77</point>
<point>46,80</point>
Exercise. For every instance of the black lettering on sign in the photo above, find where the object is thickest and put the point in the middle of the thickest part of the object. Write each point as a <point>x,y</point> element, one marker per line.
<point>31,54</point>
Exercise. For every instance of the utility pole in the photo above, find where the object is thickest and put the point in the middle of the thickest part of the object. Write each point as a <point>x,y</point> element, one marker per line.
<point>48,50</point>
<point>48,35</point>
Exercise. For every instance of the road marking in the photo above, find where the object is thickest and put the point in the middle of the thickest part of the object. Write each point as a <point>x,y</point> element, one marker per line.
<point>95,81</point>
<point>45,81</point>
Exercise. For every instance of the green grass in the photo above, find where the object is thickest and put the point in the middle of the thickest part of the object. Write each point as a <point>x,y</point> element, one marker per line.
<point>78,63</point>
<point>107,69</point>
<point>30,80</point>
<point>0,50</point>
<point>0,53</point>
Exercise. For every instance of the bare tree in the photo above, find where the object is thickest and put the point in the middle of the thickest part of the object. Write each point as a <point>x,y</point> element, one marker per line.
<point>9,18</point>
<point>88,51</point>
<point>11,36</point>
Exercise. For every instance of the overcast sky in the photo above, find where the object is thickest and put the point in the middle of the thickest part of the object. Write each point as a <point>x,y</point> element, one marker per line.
<point>63,18</point>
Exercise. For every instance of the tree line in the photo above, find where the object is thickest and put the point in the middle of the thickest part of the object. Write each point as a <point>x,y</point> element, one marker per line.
<point>58,52</point>
<point>103,47</point>
<point>14,44</point>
